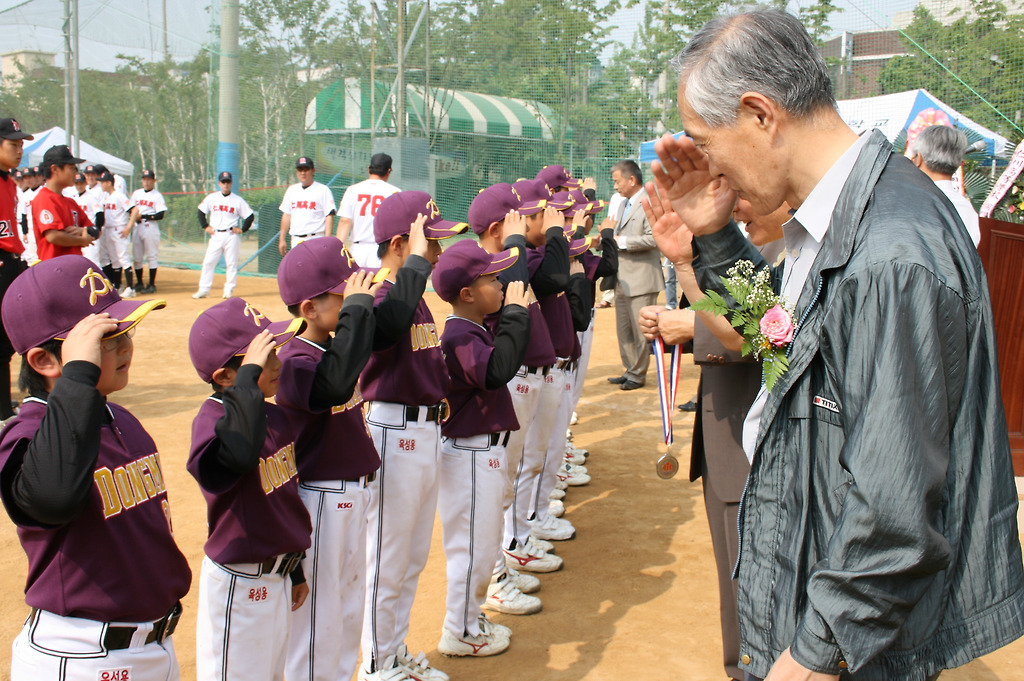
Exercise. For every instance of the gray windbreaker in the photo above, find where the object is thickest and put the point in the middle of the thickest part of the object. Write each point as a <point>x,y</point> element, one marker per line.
<point>878,530</point>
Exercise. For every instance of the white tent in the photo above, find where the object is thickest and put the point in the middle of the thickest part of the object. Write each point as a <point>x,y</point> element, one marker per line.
<point>34,150</point>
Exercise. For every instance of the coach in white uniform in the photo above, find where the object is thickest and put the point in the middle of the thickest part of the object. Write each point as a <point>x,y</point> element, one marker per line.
<point>359,207</point>
<point>224,215</point>
<point>115,237</point>
<point>148,208</point>
<point>307,209</point>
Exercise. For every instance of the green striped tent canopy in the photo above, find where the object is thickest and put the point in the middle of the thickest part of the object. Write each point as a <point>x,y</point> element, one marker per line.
<point>345,105</point>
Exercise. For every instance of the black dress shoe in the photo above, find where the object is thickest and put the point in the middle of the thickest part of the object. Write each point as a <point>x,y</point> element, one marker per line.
<point>630,385</point>
<point>688,406</point>
<point>617,380</point>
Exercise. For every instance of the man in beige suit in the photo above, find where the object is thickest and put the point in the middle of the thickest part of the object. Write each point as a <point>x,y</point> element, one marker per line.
<point>640,277</point>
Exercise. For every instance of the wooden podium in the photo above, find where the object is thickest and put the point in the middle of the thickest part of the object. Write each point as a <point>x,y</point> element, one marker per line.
<point>1002,253</point>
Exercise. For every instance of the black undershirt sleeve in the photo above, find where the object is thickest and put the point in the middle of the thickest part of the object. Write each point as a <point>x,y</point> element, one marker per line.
<point>242,430</point>
<point>553,275</point>
<point>154,216</point>
<point>394,314</point>
<point>609,264</point>
<point>339,368</point>
<point>53,482</point>
<point>202,219</point>
<point>520,270</point>
<point>591,194</point>
<point>580,301</point>
<point>247,222</point>
<point>510,344</point>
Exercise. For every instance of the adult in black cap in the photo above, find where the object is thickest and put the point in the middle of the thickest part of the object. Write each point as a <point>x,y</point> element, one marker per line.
<point>148,208</point>
<point>359,206</point>
<point>12,140</point>
<point>307,209</point>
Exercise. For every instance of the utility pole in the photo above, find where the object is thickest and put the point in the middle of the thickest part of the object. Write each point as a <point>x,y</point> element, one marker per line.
<point>227,145</point>
<point>400,79</point>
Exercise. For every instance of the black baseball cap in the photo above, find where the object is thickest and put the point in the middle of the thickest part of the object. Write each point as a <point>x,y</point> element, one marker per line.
<point>10,130</point>
<point>224,176</point>
<point>60,155</point>
<point>79,177</point>
<point>106,177</point>
<point>100,168</point>
<point>148,174</point>
<point>305,162</point>
<point>91,170</point>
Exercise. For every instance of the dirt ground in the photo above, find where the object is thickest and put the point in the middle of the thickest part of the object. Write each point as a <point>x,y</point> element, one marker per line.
<point>637,598</point>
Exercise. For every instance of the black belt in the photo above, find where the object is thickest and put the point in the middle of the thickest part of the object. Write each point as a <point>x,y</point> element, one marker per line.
<point>221,231</point>
<point>365,480</point>
<point>530,371</point>
<point>120,638</point>
<point>289,561</point>
<point>305,236</point>
<point>500,437</point>
<point>436,414</point>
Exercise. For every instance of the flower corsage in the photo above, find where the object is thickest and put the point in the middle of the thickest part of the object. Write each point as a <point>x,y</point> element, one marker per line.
<point>763,318</point>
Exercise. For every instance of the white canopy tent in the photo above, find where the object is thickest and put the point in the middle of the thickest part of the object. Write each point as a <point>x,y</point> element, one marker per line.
<point>34,150</point>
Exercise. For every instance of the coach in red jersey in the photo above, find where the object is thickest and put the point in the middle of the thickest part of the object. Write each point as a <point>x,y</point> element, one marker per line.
<point>58,221</point>
<point>11,265</point>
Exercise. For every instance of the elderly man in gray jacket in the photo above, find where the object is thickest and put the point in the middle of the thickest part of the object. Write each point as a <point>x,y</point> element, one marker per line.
<point>878,534</point>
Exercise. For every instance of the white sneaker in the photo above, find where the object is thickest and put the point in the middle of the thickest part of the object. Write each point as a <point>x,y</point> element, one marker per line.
<point>574,458</point>
<point>556,508</point>
<point>557,494</point>
<point>389,671</point>
<point>504,596</point>
<point>574,420</point>
<point>573,476</point>
<point>560,484</point>
<point>552,528</point>
<point>540,544</point>
<point>481,645</point>
<point>528,584</point>
<point>498,629</point>
<point>128,292</point>
<point>417,668</point>
<point>531,559</point>
<point>575,451</point>
<point>201,294</point>
<point>226,295</point>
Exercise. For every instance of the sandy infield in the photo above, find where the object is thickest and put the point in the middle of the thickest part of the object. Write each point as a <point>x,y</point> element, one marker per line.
<point>638,597</point>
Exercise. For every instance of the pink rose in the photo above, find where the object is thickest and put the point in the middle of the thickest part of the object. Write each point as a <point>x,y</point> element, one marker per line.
<point>777,326</point>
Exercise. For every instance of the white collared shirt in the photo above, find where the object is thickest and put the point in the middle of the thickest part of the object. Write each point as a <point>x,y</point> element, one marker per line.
<point>803,236</point>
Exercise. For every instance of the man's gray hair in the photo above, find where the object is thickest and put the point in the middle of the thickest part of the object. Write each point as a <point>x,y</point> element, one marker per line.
<point>766,51</point>
<point>942,148</point>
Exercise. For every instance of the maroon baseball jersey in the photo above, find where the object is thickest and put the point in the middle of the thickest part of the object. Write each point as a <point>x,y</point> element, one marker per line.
<point>9,240</point>
<point>557,313</point>
<point>474,410</point>
<point>55,211</point>
<point>330,444</point>
<point>117,560</point>
<point>258,515</point>
<point>412,371</point>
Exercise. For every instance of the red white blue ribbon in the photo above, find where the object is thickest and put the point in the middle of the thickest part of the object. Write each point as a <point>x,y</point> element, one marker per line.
<point>668,383</point>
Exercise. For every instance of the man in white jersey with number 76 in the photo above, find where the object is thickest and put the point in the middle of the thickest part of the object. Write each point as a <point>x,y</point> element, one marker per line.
<point>359,206</point>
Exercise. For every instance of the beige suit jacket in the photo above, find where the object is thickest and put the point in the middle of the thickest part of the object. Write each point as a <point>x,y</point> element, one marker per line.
<point>640,270</point>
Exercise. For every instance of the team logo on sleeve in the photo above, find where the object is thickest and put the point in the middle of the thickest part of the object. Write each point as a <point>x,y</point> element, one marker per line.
<point>97,283</point>
<point>256,315</point>
<point>45,217</point>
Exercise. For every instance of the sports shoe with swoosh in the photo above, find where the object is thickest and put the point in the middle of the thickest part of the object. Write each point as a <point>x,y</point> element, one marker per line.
<point>531,559</point>
<point>481,645</point>
<point>503,596</point>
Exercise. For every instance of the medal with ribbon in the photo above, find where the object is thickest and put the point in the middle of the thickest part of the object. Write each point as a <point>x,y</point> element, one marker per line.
<point>668,384</point>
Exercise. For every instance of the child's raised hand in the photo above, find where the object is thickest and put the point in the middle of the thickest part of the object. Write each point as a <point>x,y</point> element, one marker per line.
<point>553,218</point>
<point>417,238</point>
<point>259,349</point>
<point>514,224</point>
<point>515,294</point>
<point>362,282</point>
<point>85,339</point>
<point>579,219</point>
<point>575,267</point>
<point>588,183</point>
<point>608,223</point>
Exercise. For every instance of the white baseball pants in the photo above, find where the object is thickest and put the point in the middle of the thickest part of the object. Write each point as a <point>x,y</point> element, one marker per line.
<point>554,457</point>
<point>400,521</point>
<point>145,244</point>
<point>71,649</point>
<point>229,245</point>
<point>242,623</point>
<point>535,451</point>
<point>525,389</point>
<point>92,252</point>
<point>586,342</point>
<point>114,247</point>
<point>472,483</point>
<point>296,240</point>
<point>324,639</point>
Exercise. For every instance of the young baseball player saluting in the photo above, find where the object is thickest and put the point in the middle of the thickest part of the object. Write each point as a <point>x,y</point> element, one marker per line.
<point>473,462</point>
<point>81,479</point>
<point>320,283</point>
<point>405,382</point>
<point>243,456</point>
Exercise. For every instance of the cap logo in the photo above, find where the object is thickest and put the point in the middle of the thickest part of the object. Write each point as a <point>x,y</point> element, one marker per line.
<point>434,210</point>
<point>348,257</point>
<point>98,285</point>
<point>14,124</point>
<point>517,194</point>
<point>256,315</point>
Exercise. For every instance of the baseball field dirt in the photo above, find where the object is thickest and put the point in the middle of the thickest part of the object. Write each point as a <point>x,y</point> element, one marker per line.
<point>638,597</point>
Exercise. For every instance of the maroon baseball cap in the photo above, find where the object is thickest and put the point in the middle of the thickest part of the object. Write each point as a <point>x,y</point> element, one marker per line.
<point>315,267</point>
<point>398,211</point>
<point>492,205</point>
<point>561,200</point>
<point>225,331</point>
<point>556,177</point>
<point>581,202</point>
<point>48,299</point>
<point>11,130</point>
<point>464,262</point>
<point>533,196</point>
<point>580,246</point>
